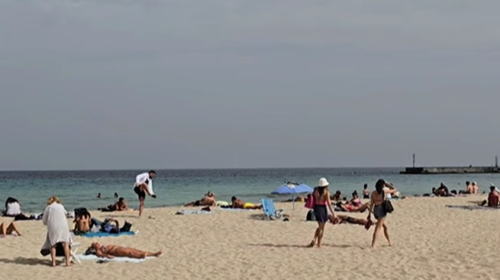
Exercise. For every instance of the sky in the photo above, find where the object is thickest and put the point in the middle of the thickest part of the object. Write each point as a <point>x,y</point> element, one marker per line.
<point>123,84</point>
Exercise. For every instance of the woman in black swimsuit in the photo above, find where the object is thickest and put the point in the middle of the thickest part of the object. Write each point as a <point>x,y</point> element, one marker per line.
<point>377,197</point>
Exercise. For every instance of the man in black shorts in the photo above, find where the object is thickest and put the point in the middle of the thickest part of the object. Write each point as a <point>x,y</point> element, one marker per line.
<point>144,185</point>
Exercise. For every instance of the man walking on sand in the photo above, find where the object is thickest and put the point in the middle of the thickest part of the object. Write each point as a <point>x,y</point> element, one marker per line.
<point>144,185</point>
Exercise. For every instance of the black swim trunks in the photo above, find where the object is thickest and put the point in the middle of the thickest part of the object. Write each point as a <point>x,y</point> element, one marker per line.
<point>139,192</point>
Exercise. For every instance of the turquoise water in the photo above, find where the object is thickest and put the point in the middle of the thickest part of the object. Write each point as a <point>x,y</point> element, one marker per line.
<point>176,187</point>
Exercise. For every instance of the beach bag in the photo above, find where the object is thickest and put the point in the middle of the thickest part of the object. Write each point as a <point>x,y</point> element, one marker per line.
<point>310,202</point>
<point>310,216</point>
<point>387,206</point>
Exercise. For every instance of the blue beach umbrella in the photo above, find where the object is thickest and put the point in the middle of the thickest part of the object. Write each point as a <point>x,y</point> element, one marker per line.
<point>293,189</point>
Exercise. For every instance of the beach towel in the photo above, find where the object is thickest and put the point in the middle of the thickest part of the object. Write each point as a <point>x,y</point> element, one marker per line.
<point>107,234</point>
<point>236,209</point>
<point>472,207</point>
<point>117,259</point>
<point>187,212</point>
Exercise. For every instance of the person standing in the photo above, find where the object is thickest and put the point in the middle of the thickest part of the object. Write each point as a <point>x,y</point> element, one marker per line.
<point>144,185</point>
<point>322,204</point>
<point>54,217</point>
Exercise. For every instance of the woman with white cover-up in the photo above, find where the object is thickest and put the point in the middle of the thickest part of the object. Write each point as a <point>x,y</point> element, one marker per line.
<point>54,217</point>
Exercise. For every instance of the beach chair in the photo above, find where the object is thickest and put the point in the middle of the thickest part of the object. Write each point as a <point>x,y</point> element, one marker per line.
<point>73,250</point>
<point>269,209</point>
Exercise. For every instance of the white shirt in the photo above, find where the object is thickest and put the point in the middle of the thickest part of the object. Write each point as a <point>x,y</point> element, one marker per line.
<point>141,179</point>
<point>13,209</point>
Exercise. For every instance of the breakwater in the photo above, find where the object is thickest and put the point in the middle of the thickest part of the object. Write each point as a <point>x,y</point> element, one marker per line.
<point>450,170</point>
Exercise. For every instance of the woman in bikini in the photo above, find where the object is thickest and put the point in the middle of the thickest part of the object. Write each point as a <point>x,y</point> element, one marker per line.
<point>322,203</point>
<point>112,251</point>
<point>378,196</point>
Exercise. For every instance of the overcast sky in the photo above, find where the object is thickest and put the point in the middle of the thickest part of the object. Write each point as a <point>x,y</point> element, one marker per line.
<point>111,84</point>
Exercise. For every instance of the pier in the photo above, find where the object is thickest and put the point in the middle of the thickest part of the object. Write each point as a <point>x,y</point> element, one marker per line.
<point>450,169</point>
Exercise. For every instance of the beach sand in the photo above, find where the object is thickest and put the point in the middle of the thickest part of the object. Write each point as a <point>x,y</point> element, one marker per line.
<point>430,242</point>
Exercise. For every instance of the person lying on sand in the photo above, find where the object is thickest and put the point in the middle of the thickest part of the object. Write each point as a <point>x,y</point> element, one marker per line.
<point>341,219</point>
<point>110,226</point>
<point>240,204</point>
<point>297,199</point>
<point>120,205</point>
<point>9,229</point>
<point>112,251</point>
<point>353,208</point>
<point>207,200</point>
<point>493,197</point>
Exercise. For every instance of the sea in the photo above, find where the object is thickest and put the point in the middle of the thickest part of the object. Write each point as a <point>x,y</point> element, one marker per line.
<point>176,187</point>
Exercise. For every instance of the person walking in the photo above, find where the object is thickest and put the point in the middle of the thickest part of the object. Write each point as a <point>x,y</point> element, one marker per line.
<point>322,204</point>
<point>377,197</point>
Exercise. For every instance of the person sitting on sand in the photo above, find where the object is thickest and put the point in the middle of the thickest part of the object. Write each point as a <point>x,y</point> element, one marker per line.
<point>441,191</point>
<point>475,188</point>
<point>120,205</point>
<point>112,251</point>
<point>13,209</point>
<point>240,204</point>
<point>353,205</point>
<point>9,229</point>
<point>341,219</point>
<point>82,221</point>
<point>493,197</point>
<point>297,199</point>
<point>468,189</point>
<point>336,197</point>
<point>207,200</point>
<point>366,192</point>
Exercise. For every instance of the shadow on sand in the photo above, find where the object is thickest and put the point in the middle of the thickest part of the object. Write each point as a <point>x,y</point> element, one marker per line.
<point>303,245</point>
<point>26,261</point>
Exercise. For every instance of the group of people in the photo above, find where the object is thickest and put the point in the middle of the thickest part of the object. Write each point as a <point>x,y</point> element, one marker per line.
<point>442,190</point>
<point>59,235</point>
<point>322,204</point>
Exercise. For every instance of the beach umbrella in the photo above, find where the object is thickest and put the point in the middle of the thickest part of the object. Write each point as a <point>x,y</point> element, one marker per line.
<point>292,188</point>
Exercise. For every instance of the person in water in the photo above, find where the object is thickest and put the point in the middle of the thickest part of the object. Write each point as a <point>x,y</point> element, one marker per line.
<point>322,204</point>
<point>207,200</point>
<point>366,192</point>
<point>144,185</point>
<point>120,205</point>
<point>240,204</point>
<point>113,251</point>
<point>378,196</point>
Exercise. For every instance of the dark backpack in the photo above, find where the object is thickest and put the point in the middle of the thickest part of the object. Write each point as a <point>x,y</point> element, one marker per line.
<point>310,216</point>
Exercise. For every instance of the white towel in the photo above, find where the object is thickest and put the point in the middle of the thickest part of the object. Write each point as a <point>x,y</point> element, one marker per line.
<point>117,259</point>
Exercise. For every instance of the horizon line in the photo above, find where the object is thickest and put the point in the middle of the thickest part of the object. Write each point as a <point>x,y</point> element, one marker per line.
<point>180,169</point>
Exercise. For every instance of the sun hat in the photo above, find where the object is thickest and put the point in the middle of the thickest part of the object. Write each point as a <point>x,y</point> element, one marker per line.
<point>323,182</point>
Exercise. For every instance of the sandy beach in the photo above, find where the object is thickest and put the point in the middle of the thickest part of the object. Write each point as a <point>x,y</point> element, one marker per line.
<point>430,242</point>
